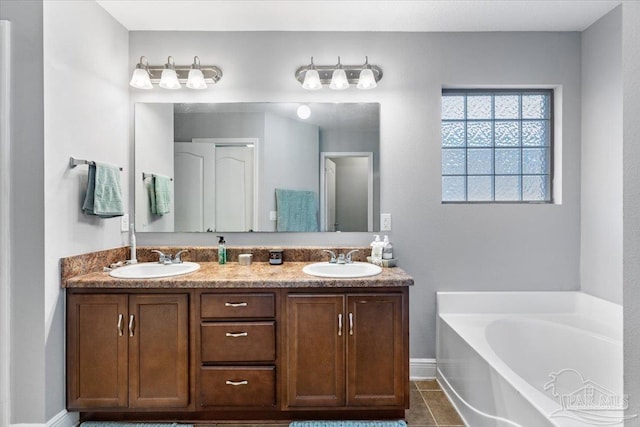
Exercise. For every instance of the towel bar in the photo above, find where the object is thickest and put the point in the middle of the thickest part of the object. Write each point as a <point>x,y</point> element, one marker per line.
<point>73,162</point>
<point>146,175</point>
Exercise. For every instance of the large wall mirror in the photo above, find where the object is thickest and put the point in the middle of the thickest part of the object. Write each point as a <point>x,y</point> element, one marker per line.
<point>257,167</point>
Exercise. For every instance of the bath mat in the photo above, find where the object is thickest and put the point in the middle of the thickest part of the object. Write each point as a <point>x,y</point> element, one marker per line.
<point>348,424</point>
<point>116,424</point>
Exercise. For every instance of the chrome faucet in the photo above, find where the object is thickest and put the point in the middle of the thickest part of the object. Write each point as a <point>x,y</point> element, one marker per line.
<point>349,260</point>
<point>342,258</point>
<point>333,255</point>
<point>176,257</point>
<point>167,259</point>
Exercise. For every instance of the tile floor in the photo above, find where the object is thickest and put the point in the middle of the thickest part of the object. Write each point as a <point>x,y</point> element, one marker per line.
<point>429,406</point>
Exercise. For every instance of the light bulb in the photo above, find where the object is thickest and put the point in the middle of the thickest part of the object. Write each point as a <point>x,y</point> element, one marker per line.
<point>140,79</point>
<point>196,79</point>
<point>304,112</point>
<point>366,80</point>
<point>339,80</point>
<point>312,80</point>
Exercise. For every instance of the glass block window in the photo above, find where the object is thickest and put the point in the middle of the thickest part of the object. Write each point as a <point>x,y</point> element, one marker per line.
<point>497,145</point>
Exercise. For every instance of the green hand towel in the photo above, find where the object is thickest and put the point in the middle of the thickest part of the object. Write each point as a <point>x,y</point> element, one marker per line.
<point>297,210</point>
<point>104,193</point>
<point>162,192</point>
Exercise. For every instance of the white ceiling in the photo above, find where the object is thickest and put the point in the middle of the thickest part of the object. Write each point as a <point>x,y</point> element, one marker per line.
<point>357,15</point>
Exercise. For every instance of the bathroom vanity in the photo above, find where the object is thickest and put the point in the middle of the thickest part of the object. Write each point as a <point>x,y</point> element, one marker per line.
<point>233,342</point>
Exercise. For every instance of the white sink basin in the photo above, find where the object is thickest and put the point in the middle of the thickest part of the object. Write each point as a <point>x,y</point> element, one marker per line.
<point>344,271</point>
<point>152,270</point>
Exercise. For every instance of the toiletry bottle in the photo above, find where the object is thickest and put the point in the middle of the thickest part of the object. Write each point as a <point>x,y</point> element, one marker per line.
<point>222,251</point>
<point>376,250</point>
<point>387,252</point>
<point>134,253</point>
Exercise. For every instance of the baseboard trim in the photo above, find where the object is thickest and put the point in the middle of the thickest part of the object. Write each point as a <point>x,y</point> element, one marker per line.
<point>64,419</point>
<point>422,369</point>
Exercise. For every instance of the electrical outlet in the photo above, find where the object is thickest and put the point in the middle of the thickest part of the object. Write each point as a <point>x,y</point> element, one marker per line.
<point>385,222</point>
<point>273,215</point>
<point>124,223</point>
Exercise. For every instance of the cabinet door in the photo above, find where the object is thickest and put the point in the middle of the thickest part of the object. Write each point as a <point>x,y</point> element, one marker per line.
<point>315,350</point>
<point>96,351</point>
<point>375,349</point>
<point>158,351</point>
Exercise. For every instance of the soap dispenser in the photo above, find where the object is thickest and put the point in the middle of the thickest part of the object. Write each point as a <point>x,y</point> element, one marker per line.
<point>222,250</point>
<point>387,251</point>
<point>376,250</point>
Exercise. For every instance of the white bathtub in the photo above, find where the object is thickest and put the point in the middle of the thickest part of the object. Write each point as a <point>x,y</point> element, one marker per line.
<point>531,359</point>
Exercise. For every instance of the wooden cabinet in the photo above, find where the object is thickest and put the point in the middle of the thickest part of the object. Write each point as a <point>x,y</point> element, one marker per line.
<point>237,350</point>
<point>200,355</point>
<point>127,351</point>
<point>346,350</point>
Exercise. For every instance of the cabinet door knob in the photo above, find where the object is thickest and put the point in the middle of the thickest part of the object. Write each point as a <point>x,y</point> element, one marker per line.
<point>234,383</point>
<point>120,325</point>
<point>340,324</point>
<point>131,325</point>
<point>235,304</point>
<point>350,323</point>
<point>237,334</point>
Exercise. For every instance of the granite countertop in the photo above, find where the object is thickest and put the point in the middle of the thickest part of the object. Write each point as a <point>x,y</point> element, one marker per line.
<point>234,275</point>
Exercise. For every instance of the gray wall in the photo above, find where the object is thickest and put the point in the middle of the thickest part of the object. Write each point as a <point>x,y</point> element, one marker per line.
<point>631,206</point>
<point>444,247</point>
<point>86,76</point>
<point>27,212</point>
<point>601,208</point>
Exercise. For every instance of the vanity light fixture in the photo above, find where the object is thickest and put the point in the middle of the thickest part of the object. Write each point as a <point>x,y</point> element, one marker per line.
<point>339,76</point>
<point>312,78</point>
<point>366,80</point>
<point>169,79</point>
<point>172,76</point>
<point>196,78</point>
<point>141,78</point>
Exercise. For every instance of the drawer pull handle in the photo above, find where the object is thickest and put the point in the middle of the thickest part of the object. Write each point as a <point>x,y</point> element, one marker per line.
<point>234,383</point>
<point>340,324</point>
<point>237,334</point>
<point>235,304</point>
<point>120,325</point>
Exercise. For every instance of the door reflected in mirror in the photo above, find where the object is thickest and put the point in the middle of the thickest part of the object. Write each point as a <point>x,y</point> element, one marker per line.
<point>228,161</point>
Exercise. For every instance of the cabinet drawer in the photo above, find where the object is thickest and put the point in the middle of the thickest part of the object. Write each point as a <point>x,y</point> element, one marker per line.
<point>238,341</point>
<point>224,306</point>
<point>241,386</point>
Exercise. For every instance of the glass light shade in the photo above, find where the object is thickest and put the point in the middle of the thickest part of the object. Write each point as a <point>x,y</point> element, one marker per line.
<point>140,79</point>
<point>196,79</point>
<point>312,80</point>
<point>339,80</point>
<point>169,79</point>
<point>367,80</point>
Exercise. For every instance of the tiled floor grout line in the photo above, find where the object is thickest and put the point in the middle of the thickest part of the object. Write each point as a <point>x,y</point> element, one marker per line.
<point>428,408</point>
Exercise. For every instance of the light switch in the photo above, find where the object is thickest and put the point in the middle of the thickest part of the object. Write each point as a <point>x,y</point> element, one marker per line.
<point>273,215</point>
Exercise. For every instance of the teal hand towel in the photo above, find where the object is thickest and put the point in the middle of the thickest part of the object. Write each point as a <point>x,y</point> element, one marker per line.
<point>162,194</point>
<point>104,193</point>
<point>297,210</point>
